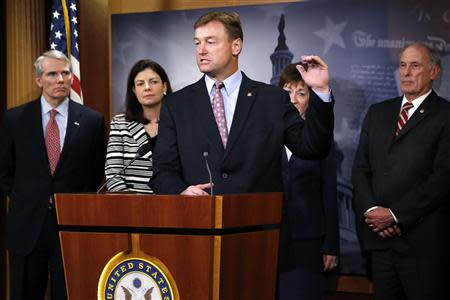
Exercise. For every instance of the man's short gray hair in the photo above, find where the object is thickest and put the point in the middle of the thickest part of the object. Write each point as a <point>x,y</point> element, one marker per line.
<point>52,54</point>
<point>435,59</point>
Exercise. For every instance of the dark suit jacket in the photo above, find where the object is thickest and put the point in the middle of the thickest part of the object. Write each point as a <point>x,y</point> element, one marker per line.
<point>310,200</point>
<point>264,120</point>
<point>25,173</point>
<point>410,174</point>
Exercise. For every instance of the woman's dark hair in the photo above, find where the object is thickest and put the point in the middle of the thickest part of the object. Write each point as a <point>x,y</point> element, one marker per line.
<point>133,109</point>
<point>290,74</point>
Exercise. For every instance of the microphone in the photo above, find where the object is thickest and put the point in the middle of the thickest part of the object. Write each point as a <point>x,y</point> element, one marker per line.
<point>144,149</point>
<point>205,156</point>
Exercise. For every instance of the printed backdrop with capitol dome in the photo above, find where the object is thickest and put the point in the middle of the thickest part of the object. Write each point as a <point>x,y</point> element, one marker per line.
<point>359,40</point>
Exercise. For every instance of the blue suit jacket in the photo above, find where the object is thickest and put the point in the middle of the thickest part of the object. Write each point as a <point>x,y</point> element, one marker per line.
<point>25,173</point>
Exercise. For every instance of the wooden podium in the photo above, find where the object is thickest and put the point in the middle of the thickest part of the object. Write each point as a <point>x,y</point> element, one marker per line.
<point>215,247</point>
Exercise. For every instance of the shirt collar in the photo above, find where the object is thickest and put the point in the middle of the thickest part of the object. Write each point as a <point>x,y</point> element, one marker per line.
<point>418,101</point>
<point>62,108</point>
<point>230,84</point>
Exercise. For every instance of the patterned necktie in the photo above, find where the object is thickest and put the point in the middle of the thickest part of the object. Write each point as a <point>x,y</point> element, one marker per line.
<point>219,113</point>
<point>403,117</point>
<point>52,141</point>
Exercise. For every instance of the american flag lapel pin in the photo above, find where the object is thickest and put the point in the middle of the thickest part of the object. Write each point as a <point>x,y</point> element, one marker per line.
<point>76,123</point>
<point>249,94</point>
<point>422,111</point>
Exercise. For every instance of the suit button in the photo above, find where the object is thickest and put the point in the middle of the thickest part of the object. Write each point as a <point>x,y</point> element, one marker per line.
<point>224,175</point>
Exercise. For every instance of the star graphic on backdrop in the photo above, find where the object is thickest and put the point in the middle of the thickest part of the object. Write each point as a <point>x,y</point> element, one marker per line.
<point>331,34</point>
<point>58,35</point>
<point>73,7</point>
<point>56,14</point>
<point>74,20</point>
<point>53,46</point>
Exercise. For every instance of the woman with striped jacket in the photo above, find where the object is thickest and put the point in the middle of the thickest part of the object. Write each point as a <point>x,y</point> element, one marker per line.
<point>147,86</point>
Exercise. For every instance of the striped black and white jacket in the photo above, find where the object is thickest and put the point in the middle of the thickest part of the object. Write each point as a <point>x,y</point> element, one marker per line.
<point>125,138</point>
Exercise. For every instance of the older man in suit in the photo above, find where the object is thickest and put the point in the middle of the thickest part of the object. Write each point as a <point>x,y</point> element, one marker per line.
<point>49,145</point>
<point>401,184</point>
<point>238,125</point>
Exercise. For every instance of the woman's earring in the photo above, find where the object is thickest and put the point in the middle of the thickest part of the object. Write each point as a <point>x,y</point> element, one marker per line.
<point>164,93</point>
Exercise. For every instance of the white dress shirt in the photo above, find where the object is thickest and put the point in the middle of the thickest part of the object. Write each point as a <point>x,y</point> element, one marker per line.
<point>61,117</point>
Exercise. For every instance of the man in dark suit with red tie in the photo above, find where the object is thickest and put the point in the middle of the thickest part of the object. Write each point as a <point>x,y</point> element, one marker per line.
<point>238,125</point>
<point>401,177</point>
<point>49,145</point>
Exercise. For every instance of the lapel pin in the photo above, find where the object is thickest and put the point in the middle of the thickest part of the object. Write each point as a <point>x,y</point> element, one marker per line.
<point>76,123</point>
<point>422,111</point>
<point>249,94</point>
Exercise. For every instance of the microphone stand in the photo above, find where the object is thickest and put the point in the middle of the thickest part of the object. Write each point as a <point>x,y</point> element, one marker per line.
<point>205,156</point>
<point>115,175</point>
<point>143,150</point>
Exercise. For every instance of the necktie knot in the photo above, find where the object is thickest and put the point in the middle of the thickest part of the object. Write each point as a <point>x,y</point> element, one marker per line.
<point>407,106</point>
<point>218,85</point>
<point>53,113</point>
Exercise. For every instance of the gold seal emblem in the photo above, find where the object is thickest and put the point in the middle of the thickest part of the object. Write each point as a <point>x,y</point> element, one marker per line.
<point>134,275</point>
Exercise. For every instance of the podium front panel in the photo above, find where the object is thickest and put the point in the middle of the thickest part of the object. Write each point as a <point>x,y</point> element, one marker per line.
<point>221,247</point>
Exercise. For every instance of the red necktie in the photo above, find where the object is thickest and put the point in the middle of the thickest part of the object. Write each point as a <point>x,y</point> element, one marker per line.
<point>219,113</point>
<point>403,117</point>
<point>52,141</point>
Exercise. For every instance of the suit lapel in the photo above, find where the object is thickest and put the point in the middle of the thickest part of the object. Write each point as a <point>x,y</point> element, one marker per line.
<point>74,121</point>
<point>33,118</point>
<point>284,164</point>
<point>246,98</point>
<point>421,113</point>
<point>284,157</point>
<point>390,125</point>
<point>201,102</point>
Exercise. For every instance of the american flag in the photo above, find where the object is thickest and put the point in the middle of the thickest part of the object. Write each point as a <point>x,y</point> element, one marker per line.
<point>64,37</point>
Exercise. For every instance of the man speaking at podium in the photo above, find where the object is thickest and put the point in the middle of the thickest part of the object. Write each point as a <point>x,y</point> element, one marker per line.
<point>227,131</point>
<point>49,145</point>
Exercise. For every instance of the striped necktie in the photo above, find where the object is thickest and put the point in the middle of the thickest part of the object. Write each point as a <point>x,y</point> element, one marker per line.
<point>403,117</point>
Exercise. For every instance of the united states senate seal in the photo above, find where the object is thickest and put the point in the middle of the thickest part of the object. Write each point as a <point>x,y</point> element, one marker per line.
<point>134,275</point>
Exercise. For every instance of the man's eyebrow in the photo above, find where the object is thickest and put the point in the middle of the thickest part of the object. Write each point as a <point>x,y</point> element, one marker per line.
<point>205,38</point>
